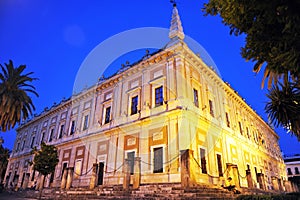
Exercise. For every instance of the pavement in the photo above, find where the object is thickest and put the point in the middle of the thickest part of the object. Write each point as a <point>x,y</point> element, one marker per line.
<point>13,196</point>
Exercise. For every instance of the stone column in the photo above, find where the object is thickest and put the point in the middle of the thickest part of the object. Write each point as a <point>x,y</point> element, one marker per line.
<point>70,177</point>
<point>249,179</point>
<point>261,181</point>
<point>126,179</point>
<point>137,173</point>
<point>280,184</point>
<point>236,178</point>
<point>275,183</point>
<point>41,183</point>
<point>94,176</point>
<point>187,175</point>
<point>64,179</point>
<point>26,180</point>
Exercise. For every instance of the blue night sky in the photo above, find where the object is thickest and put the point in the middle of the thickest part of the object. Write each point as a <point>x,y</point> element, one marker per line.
<point>54,37</point>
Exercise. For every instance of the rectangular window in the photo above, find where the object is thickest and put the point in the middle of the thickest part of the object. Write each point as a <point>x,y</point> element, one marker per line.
<point>219,162</point>
<point>158,160</point>
<point>211,108</point>
<point>134,105</point>
<point>72,129</point>
<point>18,146</point>
<point>61,132</point>
<point>227,120</point>
<point>203,161</point>
<point>247,131</point>
<point>107,115</point>
<point>196,100</point>
<point>130,157</point>
<point>289,171</point>
<point>42,137</point>
<point>159,96</point>
<point>51,135</point>
<point>85,122</point>
<point>240,128</point>
<point>32,142</point>
<point>23,144</point>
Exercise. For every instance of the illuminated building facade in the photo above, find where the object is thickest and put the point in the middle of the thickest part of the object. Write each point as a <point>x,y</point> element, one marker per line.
<point>149,112</point>
<point>292,163</point>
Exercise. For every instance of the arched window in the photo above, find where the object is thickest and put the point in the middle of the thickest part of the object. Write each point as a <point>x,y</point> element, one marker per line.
<point>296,170</point>
<point>289,171</point>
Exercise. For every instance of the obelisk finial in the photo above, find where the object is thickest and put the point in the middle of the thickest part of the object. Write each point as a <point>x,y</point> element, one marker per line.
<point>176,30</point>
<point>173,2</point>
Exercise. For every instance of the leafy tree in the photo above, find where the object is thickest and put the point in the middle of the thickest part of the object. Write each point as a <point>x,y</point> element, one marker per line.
<point>283,107</point>
<point>15,104</point>
<point>272,30</point>
<point>4,156</point>
<point>45,160</point>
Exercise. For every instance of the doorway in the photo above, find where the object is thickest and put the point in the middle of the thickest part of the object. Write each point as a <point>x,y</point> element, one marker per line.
<point>100,173</point>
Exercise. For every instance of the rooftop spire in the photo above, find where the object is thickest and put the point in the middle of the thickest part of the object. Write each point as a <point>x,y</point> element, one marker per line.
<point>176,30</point>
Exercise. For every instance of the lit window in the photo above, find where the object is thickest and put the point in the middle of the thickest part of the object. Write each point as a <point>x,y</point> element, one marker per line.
<point>32,142</point>
<point>248,134</point>
<point>240,128</point>
<point>134,105</point>
<point>211,108</point>
<point>227,119</point>
<point>159,96</point>
<point>72,129</point>
<point>42,137</point>
<point>61,131</point>
<point>196,100</point>
<point>86,122</point>
<point>51,134</point>
<point>18,146</point>
<point>23,145</point>
<point>107,115</point>
<point>203,161</point>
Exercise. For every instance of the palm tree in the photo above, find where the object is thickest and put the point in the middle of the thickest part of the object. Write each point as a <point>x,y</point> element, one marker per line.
<point>283,108</point>
<point>15,103</point>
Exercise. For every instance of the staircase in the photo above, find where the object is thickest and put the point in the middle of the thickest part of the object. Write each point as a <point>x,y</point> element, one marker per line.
<point>147,191</point>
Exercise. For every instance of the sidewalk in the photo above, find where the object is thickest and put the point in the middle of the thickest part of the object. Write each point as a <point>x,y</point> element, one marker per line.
<point>13,196</point>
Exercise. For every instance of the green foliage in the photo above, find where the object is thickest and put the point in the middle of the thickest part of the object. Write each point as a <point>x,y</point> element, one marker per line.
<point>15,104</point>
<point>4,156</point>
<point>283,107</point>
<point>45,159</point>
<point>272,30</point>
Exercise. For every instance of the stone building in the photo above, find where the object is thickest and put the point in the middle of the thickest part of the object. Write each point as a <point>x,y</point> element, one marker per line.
<point>167,118</point>
<point>292,163</point>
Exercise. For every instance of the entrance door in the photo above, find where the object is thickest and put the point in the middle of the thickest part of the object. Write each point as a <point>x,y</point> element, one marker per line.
<point>65,165</point>
<point>130,157</point>
<point>158,160</point>
<point>219,162</point>
<point>100,173</point>
<point>23,177</point>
